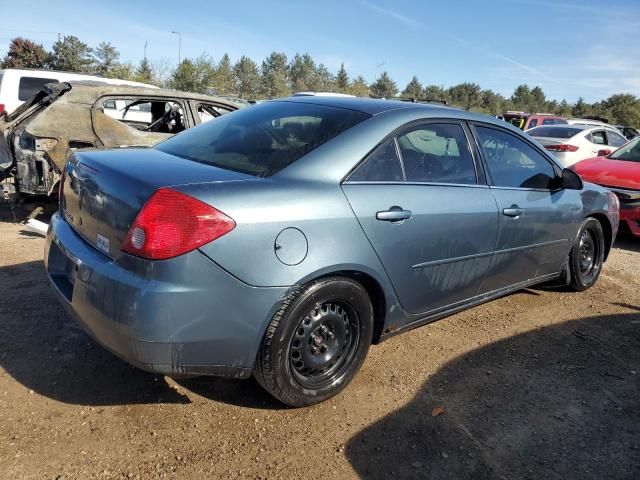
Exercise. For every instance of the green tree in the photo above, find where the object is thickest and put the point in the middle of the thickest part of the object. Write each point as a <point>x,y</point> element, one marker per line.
<point>466,95</point>
<point>24,53</point>
<point>563,109</point>
<point>580,108</point>
<point>342,79</point>
<point>105,57</point>
<point>223,80</point>
<point>303,71</point>
<point>72,55</point>
<point>322,80</point>
<point>625,109</point>
<point>522,98</point>
<point>435,93</point>
<point>144,72</point>
<point>193,75</point>
<point>413,89</point>
<point>491,103</point>
<point>123,71</point>
<point>247,78</point>
<point>538,102</point>
<point>275,76</point>
<point>359,87</point>
<point>384,87</point>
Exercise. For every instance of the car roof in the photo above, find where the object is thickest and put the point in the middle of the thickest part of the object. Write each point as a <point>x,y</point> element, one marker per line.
<point>371,106</point>
<point>87,91</point>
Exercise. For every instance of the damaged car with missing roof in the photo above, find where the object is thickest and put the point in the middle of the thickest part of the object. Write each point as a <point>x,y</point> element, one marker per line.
<point>37,138</point>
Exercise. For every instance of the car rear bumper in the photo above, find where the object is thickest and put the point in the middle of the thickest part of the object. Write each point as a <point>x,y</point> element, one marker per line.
<point>183,316</point>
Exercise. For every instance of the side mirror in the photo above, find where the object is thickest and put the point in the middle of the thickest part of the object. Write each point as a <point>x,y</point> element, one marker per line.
<point>604,152</point>
<point>570,180</point>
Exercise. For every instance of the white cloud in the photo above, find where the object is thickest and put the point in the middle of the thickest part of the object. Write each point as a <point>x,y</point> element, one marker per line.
<point>393,14</point>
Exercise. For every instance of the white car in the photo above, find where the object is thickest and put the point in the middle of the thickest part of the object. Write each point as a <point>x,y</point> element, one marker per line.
<point>17,85</point>
<point>572,143</point>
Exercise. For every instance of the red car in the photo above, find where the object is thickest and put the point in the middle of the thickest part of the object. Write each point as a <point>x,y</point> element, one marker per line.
<point>619,172</point>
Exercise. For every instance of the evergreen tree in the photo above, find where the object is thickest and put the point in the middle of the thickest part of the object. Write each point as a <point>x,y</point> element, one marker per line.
<point>247,78</point>
<point>342,79</point>
<point>71,55</point>
<point>413,89</point>
<point>384,87</point>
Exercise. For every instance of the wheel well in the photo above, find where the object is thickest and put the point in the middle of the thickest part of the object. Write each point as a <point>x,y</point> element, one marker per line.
<point>608,231</point>
<point>376,294</point>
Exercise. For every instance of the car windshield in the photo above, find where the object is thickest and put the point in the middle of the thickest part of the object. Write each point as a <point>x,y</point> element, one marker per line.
<point>263,139</point>
<point>629,152</point>
<point>554,132</point>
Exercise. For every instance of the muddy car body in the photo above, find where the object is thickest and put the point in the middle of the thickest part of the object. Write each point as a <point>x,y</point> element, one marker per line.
<point>38,137</point>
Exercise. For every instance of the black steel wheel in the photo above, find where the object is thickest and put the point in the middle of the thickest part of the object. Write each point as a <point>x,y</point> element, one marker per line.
<point>316,342</point>
<point>587,255</point>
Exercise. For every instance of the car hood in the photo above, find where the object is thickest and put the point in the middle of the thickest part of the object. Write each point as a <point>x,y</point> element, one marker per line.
<point>609,172</point>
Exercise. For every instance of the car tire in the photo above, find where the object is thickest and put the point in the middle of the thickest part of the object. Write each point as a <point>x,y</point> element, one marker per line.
<point>587,255</point>
<point>316,342</point>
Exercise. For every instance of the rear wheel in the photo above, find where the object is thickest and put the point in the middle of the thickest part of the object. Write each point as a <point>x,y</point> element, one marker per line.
<point>316,342</point>
<point>587,255</point>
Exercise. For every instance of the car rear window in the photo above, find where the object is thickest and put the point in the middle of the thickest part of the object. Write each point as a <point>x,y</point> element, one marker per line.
<point>554,132</point>
<point>263,139</point>
<point>29,86</point>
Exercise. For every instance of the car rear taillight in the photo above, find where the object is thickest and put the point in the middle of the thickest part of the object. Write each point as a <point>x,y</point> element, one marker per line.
<point>2,108</point>
<point>561,148</point>
<point>172,223</point>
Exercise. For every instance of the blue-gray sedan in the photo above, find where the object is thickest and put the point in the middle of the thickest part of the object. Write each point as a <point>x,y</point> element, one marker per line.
<point>284,239</point>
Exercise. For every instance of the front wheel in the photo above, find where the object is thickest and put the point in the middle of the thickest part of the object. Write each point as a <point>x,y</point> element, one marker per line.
<point>316,342</point>
<point>587,255</point>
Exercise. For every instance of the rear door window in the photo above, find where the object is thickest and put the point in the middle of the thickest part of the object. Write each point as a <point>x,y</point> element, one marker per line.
<point>382,165</point>
<point>533,123</point>
<point>437,153</point>
<point>29,86</point>
<point>599,137</point>
<point>149,115</point>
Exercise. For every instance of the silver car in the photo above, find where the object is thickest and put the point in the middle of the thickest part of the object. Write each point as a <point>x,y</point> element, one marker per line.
<point>283,240</point>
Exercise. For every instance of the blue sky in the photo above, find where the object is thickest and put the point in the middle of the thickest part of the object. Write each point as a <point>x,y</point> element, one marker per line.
<point>571,48</point>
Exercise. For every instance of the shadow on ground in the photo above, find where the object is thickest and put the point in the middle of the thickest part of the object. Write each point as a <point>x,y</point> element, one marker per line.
<point>43,348</point>
<point>626,241</point>
<point>556,403</point>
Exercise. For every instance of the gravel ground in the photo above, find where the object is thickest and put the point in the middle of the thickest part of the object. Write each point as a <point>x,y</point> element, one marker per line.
<point>539,384</point>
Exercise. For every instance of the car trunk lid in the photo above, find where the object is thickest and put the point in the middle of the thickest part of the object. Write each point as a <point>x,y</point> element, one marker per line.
<point>103,191</point>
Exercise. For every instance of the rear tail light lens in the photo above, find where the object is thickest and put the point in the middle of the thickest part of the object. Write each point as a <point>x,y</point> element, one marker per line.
<point>561,148</point>
<point>172,223</point>
<point>2,108</point>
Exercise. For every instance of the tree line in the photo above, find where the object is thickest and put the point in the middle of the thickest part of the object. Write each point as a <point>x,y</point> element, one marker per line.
<point>278,76</point>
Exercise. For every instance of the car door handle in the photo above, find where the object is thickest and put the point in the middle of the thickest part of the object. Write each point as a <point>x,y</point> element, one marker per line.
<point>394,214</point>
<point>513,212</point>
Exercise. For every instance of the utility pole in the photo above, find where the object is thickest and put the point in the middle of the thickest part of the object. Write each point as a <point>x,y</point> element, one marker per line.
<point>145,49</point>
<point>179,46</point>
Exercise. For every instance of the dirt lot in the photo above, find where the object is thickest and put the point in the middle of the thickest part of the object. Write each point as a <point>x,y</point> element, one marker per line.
<point>541,384</point>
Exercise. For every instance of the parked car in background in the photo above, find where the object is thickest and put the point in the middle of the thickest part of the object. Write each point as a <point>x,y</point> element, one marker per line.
<point>285,238</point>
<point>572,143</point>
<point>588,121</point>
<point>628,132</point>
<point>18,85</point>
<point>620,173</point>
<point>36,139</point>
<point>525,121</point>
